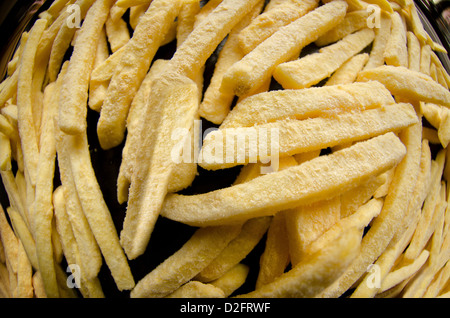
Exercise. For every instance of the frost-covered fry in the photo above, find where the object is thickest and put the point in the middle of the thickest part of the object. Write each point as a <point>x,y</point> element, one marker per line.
<point>352,22</point>
<point>396,52</point>
<point>24,274</point>
<point>216,103</point>
<point>382,35</point>
<point>74,91</point>
<point>395,207</point>
<point>97,89</point>
<point>348,71</point>
<point>413,45</point>
<point>131,70</point>
<point>185,263</point>
<point>312,275</point>
<point>186,20</point>
<point>117,33</point>
<point>268,200</point>
<point>313,68</point>
<point>307,103</point>
<point>268,22</point>
<point>205,11</point>
<point>408,84</point>
<point>9,241</point>
<point>257,66</point>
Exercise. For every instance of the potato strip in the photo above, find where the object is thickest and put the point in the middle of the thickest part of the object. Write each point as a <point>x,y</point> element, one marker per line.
<point>230,204</point>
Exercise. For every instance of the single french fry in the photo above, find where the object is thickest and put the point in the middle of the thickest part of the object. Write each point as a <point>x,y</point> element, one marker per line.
<point>307,222</point>
<point>268,200</point>
<point>74,91</point>
<point>349,70</point>
<point>311,69</point>
<point>309,277</point>
<point>440,76</point>
<point>117,33</point>
<point>195,289</point>
<point>38,286</point>
<point>205,10</point>
<point>24,274</point>
<point>131,70</point>
<point>382,35</point>
<point>27,129</point>
<point>431,135</point>
<point>251,233</point>
<point>186,20</point>
<point>10,88</point>
<point>396,52</point>
<point>425,59</point>
<point>275,258</point>
<point>409,84</point>
<point>257,66</point>
<point>9,241</point>
<point>414,49</point>
<point>216,104</point>
<point>131,3</point>
<point>444,128</point>
<point>232,280</point>
<point>5,153</point>
<point>136,13</point>
<point>145,200</point>
<point>270,21</point>
<point>352,22</point>
<point>97,90</point>
<point>395,206</point>
<point>299,136</point>
<point>105,70</point>
<point>204,245</point>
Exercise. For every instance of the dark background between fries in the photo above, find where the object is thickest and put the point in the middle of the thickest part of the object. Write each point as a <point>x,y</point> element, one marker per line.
<point>168,236</point>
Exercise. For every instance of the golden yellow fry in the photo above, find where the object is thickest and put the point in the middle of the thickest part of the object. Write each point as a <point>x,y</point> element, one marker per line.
<point>382,35</point>
<point>97,90</point>
<point>64,38</point>
<point>38,286</point>
<point>408,84</point>
<point>156,159</point>
<point>431,135</point>
<point>311,276</point>
<point>105,70</point>
<point>5,153</point>
<point>204,245</point>
<point>311,69</point>
<point>270,21</point>
<point>131,3</point>
<point>396,52</point>
<point>186,20</point>
<point>425,59</point>
<point>440,76</point>
<point>444,128</point>
<point>74,91</point>
<point>275,258</point>
<point>352,22</point>
<point>307,103</point>
<point>251,233</point>
<point>205,11</point>
<point>10,88</point>
<point>383,4</point>
<point>307,222</point>
<point>349,70</point>
<point>131,70</point>
<point>216,104</point>
<point>97,212</point>
<point>24,275</point>
<point>299,136</point>
<point>9,241</point>
<point>385,226</point>
<point>232,280</point>
<point>195,289</point>
<point>117,33</point>
<point>27,130</point>
<point>257,66</point>
<point>413,45</point>
<point>267,199</point>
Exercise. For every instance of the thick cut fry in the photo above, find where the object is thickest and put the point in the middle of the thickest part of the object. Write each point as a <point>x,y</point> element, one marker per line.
<point>257,66</point>
<point>27,129</point>
<point>41,218</point>
<point>117,33</point>
<point>413,45</point>
<point>306,223</point>
<point>132,68</point>
<point>204,246</point>
<point>275,258</point>
<point>9,241</point>
<point>270,21</point>
<point>191,56</point>
<point>232,280</point>
<point>348,71</point>
<point>311,69</point>
<point>216,104</point>
<point>74,90</point>
<point>309,277</point>
<point>231,204</point>
<point>24,275</point>
<point>307,103</point>
<point>105,70</point>
<point>395,207</point>
<point>194,289</point>
<point>382,35</point>
<point>228,147</point>
<point>145,200</point>
<point>186,20</point>
<point>97,212</point>
<point>251,233</point>
<point>411,85</point>
<point>396,52</point>
<point>352,22</point>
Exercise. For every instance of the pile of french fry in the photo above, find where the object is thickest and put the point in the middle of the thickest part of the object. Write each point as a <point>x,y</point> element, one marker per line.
<point>356,205</point>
